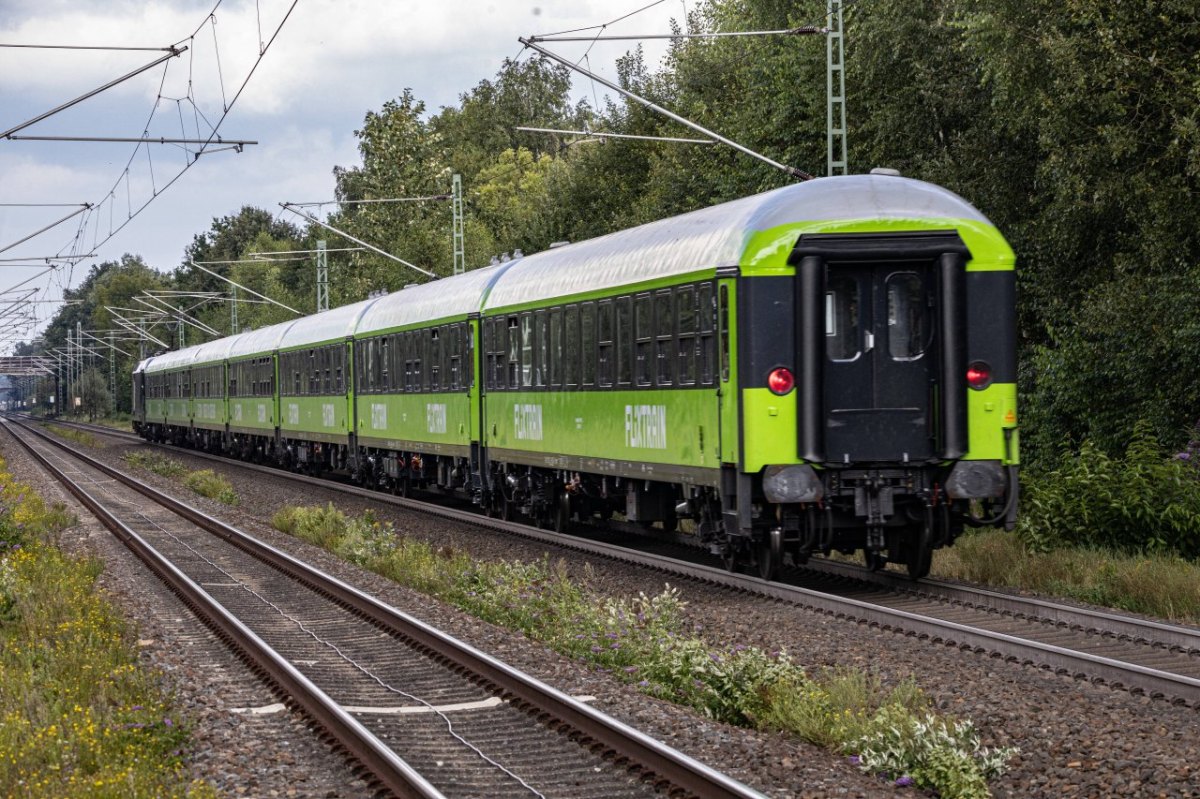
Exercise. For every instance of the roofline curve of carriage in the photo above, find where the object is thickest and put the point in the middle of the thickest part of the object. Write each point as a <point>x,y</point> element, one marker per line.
<point>723,235</point>
<point>729,234</point>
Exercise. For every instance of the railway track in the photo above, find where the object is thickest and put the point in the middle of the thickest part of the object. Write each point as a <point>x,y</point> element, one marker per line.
<point>428,716</point>
<point>1104,647</point>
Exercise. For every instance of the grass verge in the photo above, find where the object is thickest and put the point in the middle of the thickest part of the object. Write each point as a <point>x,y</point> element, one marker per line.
<point>78,717</point>
<point>1161,585</point>
<point>645,641</point>
<point>81,437</point>
<point>204,482</point>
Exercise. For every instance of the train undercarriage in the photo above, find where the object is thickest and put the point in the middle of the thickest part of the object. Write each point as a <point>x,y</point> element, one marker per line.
<point>891,514</point>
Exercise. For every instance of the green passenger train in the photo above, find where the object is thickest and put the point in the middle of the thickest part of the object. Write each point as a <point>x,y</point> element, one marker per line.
<point>830,365</point>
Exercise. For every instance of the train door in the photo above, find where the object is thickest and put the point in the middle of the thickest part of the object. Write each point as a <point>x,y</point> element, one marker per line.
<point>881,345</point>
<point>879,371</point>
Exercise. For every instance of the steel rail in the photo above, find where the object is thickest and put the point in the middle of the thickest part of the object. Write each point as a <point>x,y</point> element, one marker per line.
<point>654,757</point>
<point>1081,618</point>
<point>388,768</point>
<point>1075,617</point>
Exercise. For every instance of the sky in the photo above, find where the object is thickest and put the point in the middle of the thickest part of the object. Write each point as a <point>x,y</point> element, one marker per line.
<point>330,62</point>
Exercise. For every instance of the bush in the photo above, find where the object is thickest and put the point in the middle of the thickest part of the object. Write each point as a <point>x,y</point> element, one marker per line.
<point>208,483</point>
<point>1142,502</point>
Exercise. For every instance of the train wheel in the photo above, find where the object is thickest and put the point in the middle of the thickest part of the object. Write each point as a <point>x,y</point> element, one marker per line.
<point>920,553</point>
<point>770,554</point>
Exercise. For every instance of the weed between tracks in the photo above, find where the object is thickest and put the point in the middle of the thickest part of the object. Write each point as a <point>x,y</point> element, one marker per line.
<point>204,482</point>
<point>646,641</point>
<point>78,718</point>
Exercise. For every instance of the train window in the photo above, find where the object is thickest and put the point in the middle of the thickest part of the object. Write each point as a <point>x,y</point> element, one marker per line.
<point>706,316</point>
<point>435,359</point>
<point>587,344</point>
<point>571,347</point>
<point>554,373</point>
<point>841,319</point>
<point>908,317</point>
<point>604,344</point>
<point>723,322</point>
<point>664,324</point>
<point>514,352</point>
<point>468,347</point>
<point>541,362</point>
<point>624,341</point>
<point>454,346</point>
<point>643,348</point>
<point>685,320</point>
<point>526,350</point>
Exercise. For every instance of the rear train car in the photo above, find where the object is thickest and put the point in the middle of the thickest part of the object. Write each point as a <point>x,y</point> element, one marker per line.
<point>826,366</point>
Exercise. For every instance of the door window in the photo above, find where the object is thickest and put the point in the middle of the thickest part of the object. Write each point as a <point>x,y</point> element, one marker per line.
<point>841,319</point>
<point>907,317</point>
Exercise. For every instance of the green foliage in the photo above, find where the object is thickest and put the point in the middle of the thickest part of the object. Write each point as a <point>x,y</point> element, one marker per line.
<point>1141,502</point>
<point>208,483</point>
<point>95,400</point>
<point>1157,584</point>
<point>931,752</point>
<point>78,717</point>
<point>71,434</point>
<point>204,482</point>
<point>156,462</point>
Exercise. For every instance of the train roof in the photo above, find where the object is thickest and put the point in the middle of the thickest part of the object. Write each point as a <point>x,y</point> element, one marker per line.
<point>439,299</point>
<point>258,342</point>
<point>336,324</point>
<point>718,236</point>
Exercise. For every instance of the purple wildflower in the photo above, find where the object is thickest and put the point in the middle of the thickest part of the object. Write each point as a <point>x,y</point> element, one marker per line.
<point>644,683</point>
<point>904,781</point>
<point>855,760</point>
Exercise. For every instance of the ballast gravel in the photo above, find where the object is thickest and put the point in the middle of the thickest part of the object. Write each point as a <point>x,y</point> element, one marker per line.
<point>1076,739</point>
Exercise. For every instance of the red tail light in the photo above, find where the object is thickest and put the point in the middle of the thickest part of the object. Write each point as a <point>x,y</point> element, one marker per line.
<point>780,381</point>
<point>979,375</point>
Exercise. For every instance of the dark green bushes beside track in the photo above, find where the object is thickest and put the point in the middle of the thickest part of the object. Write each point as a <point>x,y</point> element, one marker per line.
<point>1140,502</point>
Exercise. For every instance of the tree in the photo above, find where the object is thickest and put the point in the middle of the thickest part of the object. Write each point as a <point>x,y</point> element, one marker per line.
<point>94,397</point>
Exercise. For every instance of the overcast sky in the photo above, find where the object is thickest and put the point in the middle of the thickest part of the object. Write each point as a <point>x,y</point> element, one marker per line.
<point>332,61</point>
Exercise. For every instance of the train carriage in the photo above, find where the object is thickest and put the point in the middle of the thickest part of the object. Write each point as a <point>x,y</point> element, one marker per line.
<point>417,405</point>
<point>209,402</point>
<point>602,378</point>
<point>315,388</point>
<point>168,388</point>
<point>252,384</point>
<point>855,383</point>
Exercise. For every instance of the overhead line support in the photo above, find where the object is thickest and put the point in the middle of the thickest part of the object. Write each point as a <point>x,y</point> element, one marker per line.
<point>790,170</point>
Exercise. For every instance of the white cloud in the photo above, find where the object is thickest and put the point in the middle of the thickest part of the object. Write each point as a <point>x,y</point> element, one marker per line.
<point>332,62</point>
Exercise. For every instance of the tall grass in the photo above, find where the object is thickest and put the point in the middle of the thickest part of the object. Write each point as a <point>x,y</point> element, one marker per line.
<point>1157,584</point>
<point>78,717</point>
<point>647,642</point>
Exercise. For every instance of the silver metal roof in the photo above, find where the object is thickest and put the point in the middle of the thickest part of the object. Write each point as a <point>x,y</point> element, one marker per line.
<point>332,325</point>
<point>451,296</point>
<point>173,359</point>
<point>717,236</point>
<point>255,342</point>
